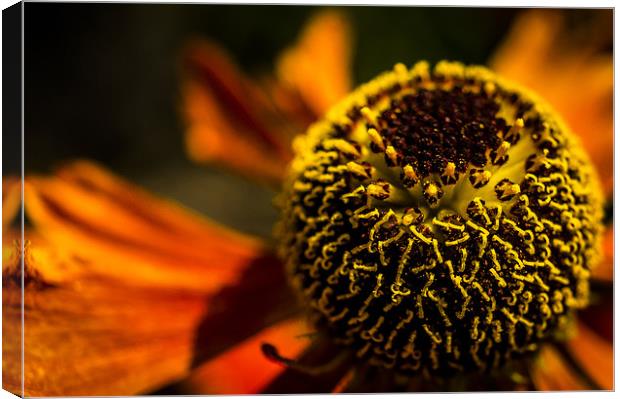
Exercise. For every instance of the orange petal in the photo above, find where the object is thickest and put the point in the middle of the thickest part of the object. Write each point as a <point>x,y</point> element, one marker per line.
<point>230,120</point>
<point>288,100</point>
<point>344,382</point>
<point>525,47</point>
<point>570,74</point>
<point>551,373</point>
<point>11,199</point>
<point>595,355</point>
<point>318,65</point>
<point>118,286</point>
<point>11,320</point>
<point>598,315</point>
<point>95,336</point>
<point>235,318</point>
<point>605,269</point>
<point>108,224</point>
<point>245,369</point>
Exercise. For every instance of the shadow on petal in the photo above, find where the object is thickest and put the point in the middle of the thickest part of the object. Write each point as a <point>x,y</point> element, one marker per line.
<point>117,285</point>
<point>260,298</point>
<point>244,369</point>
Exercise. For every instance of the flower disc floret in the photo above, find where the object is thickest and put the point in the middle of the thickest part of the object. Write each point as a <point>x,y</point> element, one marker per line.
<point>440,220</point>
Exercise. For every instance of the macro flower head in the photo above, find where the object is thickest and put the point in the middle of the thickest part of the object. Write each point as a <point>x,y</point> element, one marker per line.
<point>441,228</point>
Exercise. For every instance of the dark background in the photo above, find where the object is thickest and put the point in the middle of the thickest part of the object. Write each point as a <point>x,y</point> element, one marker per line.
<point>101,82</point>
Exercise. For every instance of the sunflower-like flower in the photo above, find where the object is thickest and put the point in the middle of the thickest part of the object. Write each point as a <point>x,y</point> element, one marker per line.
<point>438,226</point>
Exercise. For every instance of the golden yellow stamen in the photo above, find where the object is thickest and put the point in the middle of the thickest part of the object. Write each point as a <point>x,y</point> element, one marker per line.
<point>456,234</point>
<point>376,138</point>
<point>392,154</point>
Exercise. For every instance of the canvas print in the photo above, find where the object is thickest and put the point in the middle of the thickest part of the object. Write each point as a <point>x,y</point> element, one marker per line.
<point>235,199</point>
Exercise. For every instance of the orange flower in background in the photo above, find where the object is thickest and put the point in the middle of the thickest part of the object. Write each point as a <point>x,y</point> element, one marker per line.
<point>572,72</point>
<point>248,126</point>
<point>126,292</point>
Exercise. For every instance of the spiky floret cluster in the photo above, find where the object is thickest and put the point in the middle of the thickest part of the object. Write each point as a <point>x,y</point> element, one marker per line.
<point>439,221</point>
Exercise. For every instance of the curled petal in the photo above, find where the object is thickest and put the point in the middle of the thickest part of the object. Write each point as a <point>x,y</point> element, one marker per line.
<point>88,213</point>
<point>94,336</point>
<point>229,119</point>
<point>117,286</point>
<point>318,67</point>
<point>97,335</point>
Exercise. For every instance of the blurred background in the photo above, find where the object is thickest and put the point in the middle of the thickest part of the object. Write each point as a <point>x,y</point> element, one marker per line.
<point>102,82</point>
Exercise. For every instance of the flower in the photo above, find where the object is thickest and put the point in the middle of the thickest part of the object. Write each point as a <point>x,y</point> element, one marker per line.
<point>226,110</point>
<point>109,310</point>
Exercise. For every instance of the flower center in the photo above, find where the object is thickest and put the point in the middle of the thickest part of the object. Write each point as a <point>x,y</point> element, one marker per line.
<point>440,221</point>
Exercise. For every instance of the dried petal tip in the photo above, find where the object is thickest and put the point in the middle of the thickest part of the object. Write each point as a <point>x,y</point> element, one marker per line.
<point>468,245</point>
